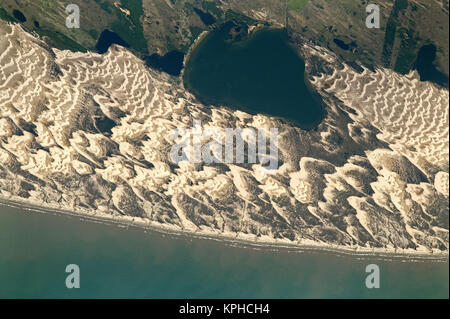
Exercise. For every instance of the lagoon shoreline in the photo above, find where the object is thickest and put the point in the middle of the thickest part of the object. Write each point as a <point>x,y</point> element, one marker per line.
<point>234,239</point>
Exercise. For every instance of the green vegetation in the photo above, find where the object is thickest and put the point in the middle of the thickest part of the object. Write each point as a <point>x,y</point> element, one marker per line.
<point>97,16</point>
<point>4,15</point>
<point>105,6</point>
<point>391,29</point>
<point>195,31</point>
<point>60,41</point>
<point>232,15</point>
<point>389,39</point>
<point>54,38</point>
<point>408,51</point>
<point>211,7</point>
<point>94,34</point>
<point>176,28</point>
<point>130,28</point>
<point>297,5</point>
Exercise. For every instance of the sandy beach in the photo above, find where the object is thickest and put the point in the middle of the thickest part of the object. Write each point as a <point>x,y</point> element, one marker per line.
<point>263,242</point>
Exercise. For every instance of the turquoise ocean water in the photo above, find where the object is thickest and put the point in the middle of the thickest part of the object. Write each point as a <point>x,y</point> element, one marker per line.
<point>117,262</point>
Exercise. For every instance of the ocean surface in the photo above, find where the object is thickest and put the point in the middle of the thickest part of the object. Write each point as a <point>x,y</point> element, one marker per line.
<point>257,73</point>
<point>118,262</point>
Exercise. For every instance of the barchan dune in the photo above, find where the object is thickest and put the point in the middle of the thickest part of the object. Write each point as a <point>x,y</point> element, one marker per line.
<point>91,133</point>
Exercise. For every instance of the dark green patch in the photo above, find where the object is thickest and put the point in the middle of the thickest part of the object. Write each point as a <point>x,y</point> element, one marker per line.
<point>60,41</point>
<point>130,27</point>
<point>298,5</point>
<point>106,6</point>
<point>408,51</point>
<point>207,18</point>
<point>195,31</point>
<point>212,8</point>
<point>4,15</point>
<point>93,33</point>
<point>391,29</point>
<point>232,15</point>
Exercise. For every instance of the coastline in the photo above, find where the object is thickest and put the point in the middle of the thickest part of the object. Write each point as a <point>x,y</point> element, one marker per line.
<point>233,239</point>
<point>102,212</point>
<point>188,54</point>
<point>253,29</point>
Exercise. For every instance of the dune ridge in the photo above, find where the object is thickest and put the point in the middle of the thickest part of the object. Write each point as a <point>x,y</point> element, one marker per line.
<point>356,182</point>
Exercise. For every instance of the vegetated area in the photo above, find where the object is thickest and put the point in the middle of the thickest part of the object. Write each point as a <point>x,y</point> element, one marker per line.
<point>4,15</point>
<point>159,27</point>
<point>148,26</point>
<point>128,24</point>
<point>406,26</point>
<point>391,28</point>
<point>297,5</point>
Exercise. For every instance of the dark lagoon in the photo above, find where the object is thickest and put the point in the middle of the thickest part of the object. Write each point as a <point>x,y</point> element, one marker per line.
<point>171,63</point>
<point>108,38</point>
<point>425,67</point>
<point>19,16</point>
<point>257,72</point>
<point>118,262</point>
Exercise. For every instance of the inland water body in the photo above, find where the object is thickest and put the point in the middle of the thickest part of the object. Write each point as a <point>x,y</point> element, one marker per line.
<point>257,72</point>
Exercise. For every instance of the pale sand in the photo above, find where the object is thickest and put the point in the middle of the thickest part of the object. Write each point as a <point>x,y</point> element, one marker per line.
<point>250,241</point>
